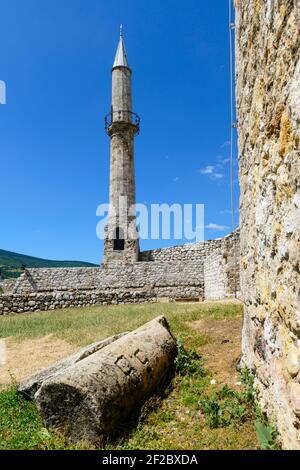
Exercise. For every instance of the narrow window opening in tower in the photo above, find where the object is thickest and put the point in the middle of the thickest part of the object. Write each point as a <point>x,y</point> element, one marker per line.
<point>119,242</point>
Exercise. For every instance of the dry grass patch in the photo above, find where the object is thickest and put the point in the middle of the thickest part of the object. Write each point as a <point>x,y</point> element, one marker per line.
<point>223,349</point>
<point>25,358</point>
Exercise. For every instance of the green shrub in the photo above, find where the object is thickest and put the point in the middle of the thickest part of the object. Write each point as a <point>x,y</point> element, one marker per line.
<point>188,361</point>
<point>230,407</point>
<point>266,436</point>
<point>247,380</point>
<point>224,408</point>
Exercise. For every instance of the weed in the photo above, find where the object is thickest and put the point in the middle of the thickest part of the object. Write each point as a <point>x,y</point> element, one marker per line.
<point>247,379</point>
<point>266,436</point>
<point>188,362</point>
<point>222,412</point>
<point>230,407</point>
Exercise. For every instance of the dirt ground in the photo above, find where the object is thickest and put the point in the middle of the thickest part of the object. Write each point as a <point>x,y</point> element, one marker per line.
<point>223,349</point>
<point>20,360</point>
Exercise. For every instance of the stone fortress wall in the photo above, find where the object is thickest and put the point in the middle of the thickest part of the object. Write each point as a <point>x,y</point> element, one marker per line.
<point>268,108</point>
<point>182,253</point>
<point>222,271</point>
<point>173,273</point>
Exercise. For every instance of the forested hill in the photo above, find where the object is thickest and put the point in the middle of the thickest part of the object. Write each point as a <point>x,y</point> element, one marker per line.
<point>11,264</point>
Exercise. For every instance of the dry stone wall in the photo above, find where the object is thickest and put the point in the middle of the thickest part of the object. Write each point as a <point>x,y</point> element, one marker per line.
<point>268,108</point>
<point>7,285</point>
<point>178,273</point>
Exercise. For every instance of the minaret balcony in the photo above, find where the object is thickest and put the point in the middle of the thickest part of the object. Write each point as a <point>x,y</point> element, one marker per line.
<point>122,117</point>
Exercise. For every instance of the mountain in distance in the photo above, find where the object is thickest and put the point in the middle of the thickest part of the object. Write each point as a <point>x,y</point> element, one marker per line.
<point>12,264</point>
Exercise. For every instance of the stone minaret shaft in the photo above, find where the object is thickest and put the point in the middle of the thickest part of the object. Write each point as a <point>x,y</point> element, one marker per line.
<point>121,240</point>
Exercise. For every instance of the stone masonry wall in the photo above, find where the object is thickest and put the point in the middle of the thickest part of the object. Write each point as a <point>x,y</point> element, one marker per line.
<point>222,270</point>
<point>177,274</point>
<point>188,252</point>
<point>68,287</point>
<point>215,276</point>
<point>268,108</point>
<point>182,253</point>
<point>147,275</point>
<point>7,285</point>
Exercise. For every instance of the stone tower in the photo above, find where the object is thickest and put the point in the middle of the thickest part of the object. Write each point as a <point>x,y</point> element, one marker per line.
<point>121,242</point>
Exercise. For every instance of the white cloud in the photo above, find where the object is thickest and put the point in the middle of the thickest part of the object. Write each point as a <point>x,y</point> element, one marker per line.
<point>213,171</point>
<point>225,144</point>
<point>218,227</point>
<point>176,179</point>
<point>217,170</point>
<point>208,170</point>
<point>222,160</point>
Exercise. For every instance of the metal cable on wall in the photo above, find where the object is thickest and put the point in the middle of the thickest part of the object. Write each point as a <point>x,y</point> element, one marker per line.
<point>232,133</point>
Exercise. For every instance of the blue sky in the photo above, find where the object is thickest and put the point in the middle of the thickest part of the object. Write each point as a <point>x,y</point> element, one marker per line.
<point>56,58</point>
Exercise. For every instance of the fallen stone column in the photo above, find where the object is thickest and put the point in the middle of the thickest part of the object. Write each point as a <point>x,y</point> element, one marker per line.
<point>92,398</point>
<point>30,386</point>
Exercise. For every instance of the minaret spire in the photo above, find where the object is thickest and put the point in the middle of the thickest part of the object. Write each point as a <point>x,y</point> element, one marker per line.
<point>121,243</point>
<point>121,59</point>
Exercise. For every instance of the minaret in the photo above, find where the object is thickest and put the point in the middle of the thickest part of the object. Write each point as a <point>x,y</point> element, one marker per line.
<point>122,125</point>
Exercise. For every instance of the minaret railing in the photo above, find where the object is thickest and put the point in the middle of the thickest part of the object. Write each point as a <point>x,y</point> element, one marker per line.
<point>123,116</point>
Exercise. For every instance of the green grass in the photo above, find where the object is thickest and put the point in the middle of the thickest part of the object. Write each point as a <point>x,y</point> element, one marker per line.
<point>173,420</point>
<point>178,423</point>
<point>84,325</point>
<point>21,426</point>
